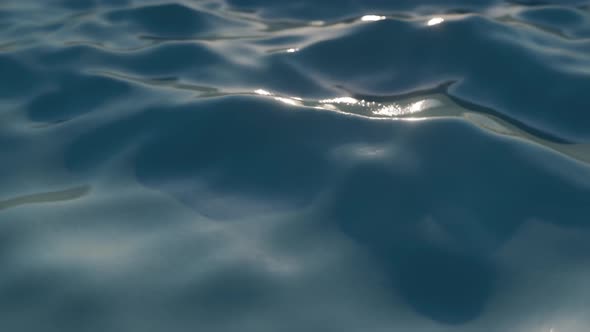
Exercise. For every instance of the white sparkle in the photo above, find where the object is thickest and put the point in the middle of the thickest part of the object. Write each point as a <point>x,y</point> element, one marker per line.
<point>372,18</point>
<point>288,101</point>
<point>340,100</point>
<point>435,21</point>
<point>262,92</point>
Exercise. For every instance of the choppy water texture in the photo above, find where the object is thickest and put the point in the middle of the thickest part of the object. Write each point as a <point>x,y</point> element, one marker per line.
<point>257,165</point>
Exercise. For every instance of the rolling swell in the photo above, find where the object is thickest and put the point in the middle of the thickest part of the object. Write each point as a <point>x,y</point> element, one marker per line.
<point>250,165</point>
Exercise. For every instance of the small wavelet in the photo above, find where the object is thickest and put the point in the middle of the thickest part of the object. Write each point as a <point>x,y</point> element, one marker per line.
<point>45,197</point>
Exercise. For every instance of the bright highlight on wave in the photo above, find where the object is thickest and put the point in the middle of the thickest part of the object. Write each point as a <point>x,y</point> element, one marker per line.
<point>262,92</point>
<point>352,105</point>
<point>372,18</point>
<point>293,101</point>
<point>340,100</point>
<point>435,21</point>
<point>289,101</point>
<point>398,110</point>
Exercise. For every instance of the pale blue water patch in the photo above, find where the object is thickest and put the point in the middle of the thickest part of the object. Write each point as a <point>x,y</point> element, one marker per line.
<point>248,165</point>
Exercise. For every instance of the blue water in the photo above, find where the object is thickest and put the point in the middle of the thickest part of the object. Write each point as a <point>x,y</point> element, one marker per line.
<point>258,165</point>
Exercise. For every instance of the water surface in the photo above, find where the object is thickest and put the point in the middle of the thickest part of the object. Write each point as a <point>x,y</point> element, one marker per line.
<point>256,165</point>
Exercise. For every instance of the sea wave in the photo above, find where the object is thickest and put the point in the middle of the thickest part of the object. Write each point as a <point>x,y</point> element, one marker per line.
<point>248,165</point>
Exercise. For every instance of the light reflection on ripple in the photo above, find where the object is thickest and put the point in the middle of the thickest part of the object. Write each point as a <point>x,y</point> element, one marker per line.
<point>48,197</point>
<point>417,108</point>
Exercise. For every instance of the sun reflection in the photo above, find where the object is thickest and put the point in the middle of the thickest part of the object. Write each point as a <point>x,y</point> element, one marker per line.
<point>398,110</point>
<point>435,21</point>
<point>372,18</point>
<point>262,92</point>
<point>361,107</point>
<point>288,101</point>
<point>416,107</point>
<point>340,100</point>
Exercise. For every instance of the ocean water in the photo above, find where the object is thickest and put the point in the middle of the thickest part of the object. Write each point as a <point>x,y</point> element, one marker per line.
<point>310,165</point>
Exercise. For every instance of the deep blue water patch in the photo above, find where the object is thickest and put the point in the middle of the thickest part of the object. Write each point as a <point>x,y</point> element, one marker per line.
<point>74,96</point>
